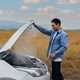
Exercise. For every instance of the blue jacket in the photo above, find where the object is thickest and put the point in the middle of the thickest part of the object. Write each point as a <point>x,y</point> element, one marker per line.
<point>59,44</point>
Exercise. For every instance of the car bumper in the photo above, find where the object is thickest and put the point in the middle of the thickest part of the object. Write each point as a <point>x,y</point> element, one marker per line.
<point>45,77</point>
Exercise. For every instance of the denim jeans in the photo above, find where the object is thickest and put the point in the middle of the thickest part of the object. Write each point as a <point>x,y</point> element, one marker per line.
<point>56,71</point>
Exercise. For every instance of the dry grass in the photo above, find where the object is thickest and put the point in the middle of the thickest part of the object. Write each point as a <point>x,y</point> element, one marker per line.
<point>37,45</point>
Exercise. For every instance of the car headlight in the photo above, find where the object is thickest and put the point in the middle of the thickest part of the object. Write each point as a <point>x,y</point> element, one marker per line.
<point>34,73</point>
<point>37,72</point>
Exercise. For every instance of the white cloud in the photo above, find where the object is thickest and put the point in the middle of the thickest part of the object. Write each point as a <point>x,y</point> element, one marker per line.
<point>68,1</point>
<point>26,4</point>
<point>46,9</point>
<point>31,1</point>
<point>70,15</point>
<point>7,12</point>
<point>1,12</point>
<point>36,1</point>
<point>66,11</point>
<point>24,7</point>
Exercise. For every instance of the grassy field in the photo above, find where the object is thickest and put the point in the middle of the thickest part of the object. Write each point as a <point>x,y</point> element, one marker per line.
<point>35,43</point>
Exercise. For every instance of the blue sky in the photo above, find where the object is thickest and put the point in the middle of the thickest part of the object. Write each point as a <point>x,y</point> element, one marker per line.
<point>42,11</point>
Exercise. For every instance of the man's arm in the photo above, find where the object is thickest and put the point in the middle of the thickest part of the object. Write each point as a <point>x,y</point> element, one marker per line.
<point>47,32</point>
<point>64,43</point>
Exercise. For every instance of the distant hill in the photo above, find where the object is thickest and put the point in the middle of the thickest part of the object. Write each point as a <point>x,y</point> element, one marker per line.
<point>72,30</point>
<point>10,24</point>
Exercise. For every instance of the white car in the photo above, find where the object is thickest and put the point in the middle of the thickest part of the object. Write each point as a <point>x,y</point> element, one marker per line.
<point>37,71</point>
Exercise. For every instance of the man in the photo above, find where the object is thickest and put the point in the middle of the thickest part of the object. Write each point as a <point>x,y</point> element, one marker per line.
<point>57,46</point>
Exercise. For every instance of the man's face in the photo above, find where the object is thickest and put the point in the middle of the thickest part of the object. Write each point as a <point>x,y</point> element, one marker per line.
<point>55,26</point>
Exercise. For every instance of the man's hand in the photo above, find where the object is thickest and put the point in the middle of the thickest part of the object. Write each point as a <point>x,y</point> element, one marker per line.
<point>51,56</point>
<point>32,22</point>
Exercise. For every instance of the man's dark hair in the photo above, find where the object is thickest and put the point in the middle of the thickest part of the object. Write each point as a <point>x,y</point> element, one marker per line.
<point>56,21</point>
